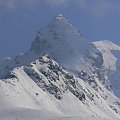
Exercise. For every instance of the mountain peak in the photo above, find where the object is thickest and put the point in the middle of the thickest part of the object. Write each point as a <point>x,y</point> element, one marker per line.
<point>60,19</point>
<point>60,16</point>
<point>106,45</point>
<point>61,41</point>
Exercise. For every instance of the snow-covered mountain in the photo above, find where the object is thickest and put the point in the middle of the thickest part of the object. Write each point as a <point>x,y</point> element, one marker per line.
<point>84,84</point>
<point>45,86</point>
<point>106,61</point>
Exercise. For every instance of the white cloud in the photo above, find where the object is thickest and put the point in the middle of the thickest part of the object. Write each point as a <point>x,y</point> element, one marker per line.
<point>98,8</point>
<point>16,3</point>
<point>56,2</point>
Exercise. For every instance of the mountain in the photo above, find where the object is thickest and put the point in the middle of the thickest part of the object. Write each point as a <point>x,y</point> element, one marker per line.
<point>82,85</point>
<point>108,68</point>
<point>61,41</point>
<point>45,87</point>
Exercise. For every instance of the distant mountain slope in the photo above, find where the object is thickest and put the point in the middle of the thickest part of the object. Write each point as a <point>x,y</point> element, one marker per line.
<point>110,66</point>
<point>107,48</point>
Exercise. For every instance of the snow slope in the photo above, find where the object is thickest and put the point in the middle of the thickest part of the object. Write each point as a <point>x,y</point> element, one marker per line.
<point>107,49</point>
<point>45,87</point>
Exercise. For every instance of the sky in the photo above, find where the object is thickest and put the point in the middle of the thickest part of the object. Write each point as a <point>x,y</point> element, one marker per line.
<point>21,19</point>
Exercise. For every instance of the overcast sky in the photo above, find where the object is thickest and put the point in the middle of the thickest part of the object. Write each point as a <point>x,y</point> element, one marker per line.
<point>21,19</point>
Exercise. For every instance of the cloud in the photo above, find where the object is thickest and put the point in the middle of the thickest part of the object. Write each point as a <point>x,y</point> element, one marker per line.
<point>56,2</point>
<point>98,8</point>
<point>13,3</point>
<point>28,3</point>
